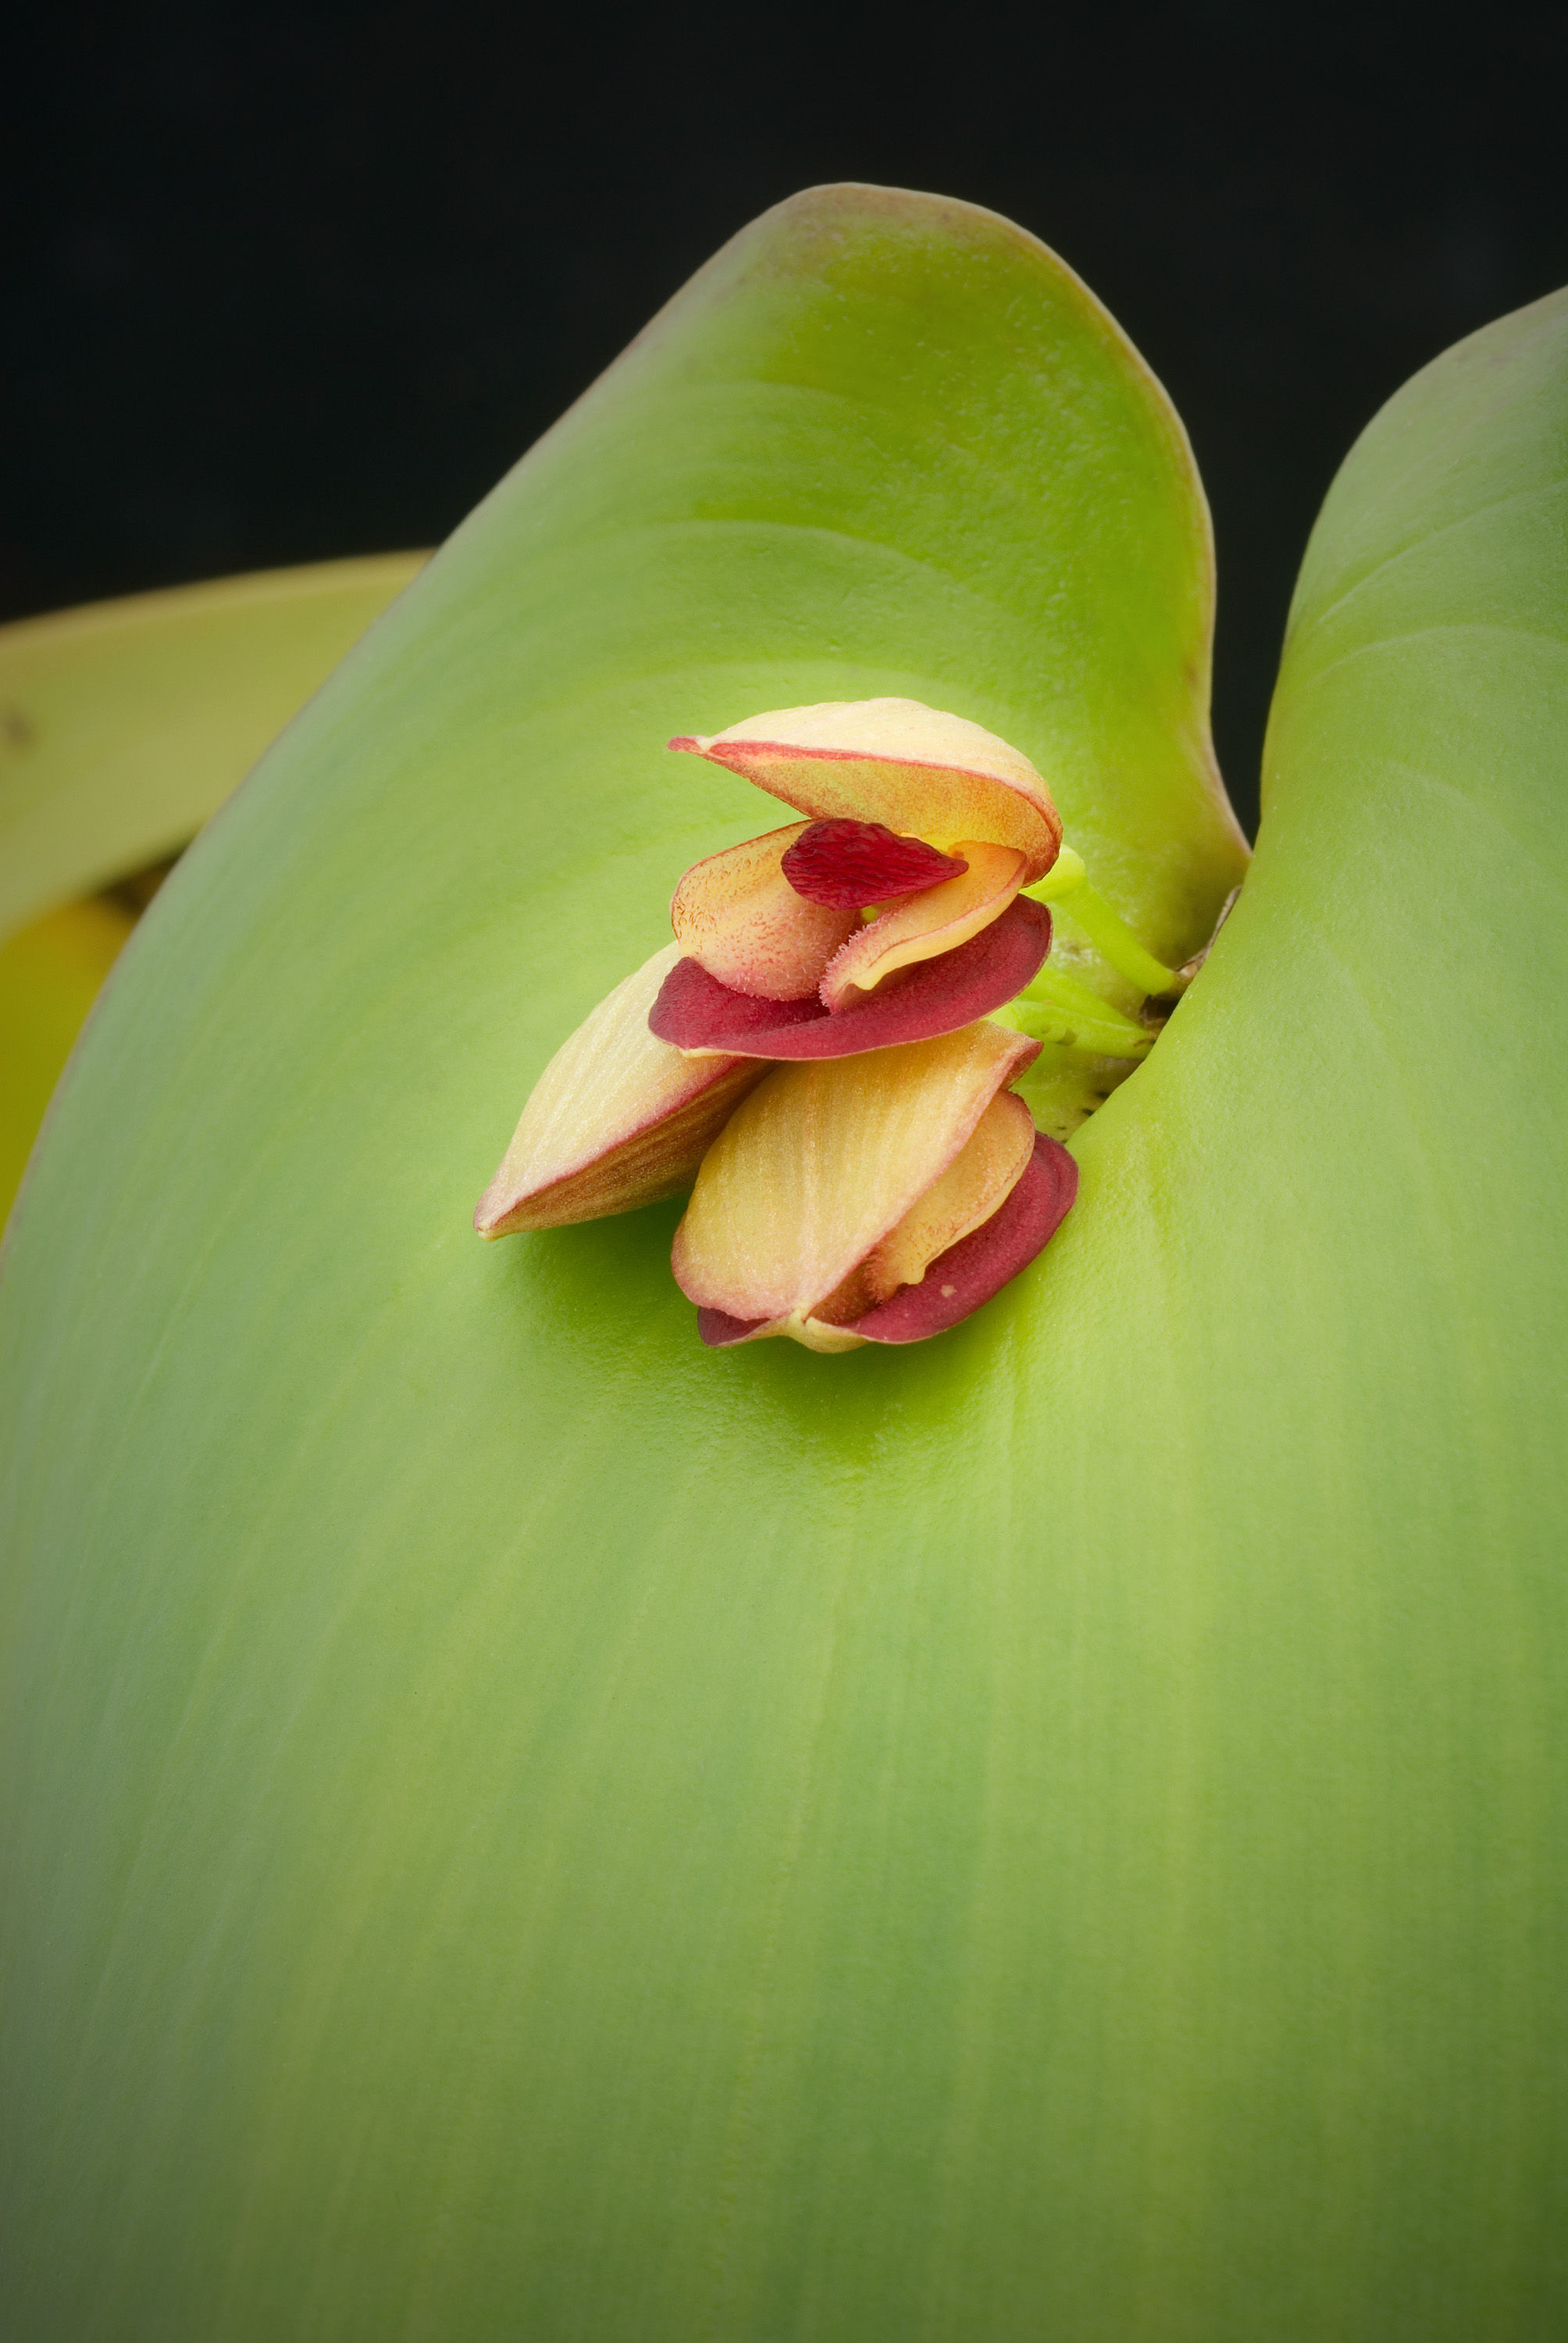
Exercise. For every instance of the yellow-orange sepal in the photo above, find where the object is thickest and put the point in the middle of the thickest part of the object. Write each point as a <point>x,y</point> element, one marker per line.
<point>897,761</point>
<point>616,1119</point>
<point>825,1189</point>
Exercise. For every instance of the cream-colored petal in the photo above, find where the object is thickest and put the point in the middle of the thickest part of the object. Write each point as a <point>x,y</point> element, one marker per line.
<point>936,920</point>
<point>980,1176</point>
<point>739,916</point>
<point>921,771</point>
<point>617,1119</point>
<point>824,1159</point>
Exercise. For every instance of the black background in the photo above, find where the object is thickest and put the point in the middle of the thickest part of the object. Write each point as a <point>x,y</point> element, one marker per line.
<point>287,284</point>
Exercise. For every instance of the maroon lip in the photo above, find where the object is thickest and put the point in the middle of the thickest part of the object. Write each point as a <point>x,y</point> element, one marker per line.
<point>963,1279</point>
<point>849,864</point>
<point>695,1011</point>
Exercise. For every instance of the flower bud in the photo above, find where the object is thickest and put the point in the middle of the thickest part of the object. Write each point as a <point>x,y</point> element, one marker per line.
<point>617,1117</point>
<point>837,1205</point>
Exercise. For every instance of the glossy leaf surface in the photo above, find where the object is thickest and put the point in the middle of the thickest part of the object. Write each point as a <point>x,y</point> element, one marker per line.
<point>527,1826</point>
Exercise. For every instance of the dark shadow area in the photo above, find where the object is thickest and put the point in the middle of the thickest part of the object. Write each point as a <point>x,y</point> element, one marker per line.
<point>284,284</point>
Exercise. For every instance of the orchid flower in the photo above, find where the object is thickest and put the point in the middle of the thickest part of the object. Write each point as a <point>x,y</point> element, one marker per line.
<point>916,1187</point>
<point>890,914</point>
<point>887,1182</point>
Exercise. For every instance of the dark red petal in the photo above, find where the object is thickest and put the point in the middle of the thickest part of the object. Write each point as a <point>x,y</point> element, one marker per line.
<point>960,1280</point>
<point>691,1004</point>
<point>695,1011</point>
<point>849,864</point>
<point>717,1328</point>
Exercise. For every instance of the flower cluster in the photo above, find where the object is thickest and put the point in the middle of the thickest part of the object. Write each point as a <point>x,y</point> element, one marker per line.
<point>813,1057</point>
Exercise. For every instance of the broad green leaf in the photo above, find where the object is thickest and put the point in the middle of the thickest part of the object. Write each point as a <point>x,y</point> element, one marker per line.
<point>123,726</point>
<point>523,1827</point>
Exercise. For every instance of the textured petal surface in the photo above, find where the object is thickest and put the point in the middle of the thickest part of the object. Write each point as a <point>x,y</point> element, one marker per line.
<point>822,1161</point>
<point>739,916</point>
<point>856,863</point>
<point>694,1011</point>
<point>617,1119</point>
<point>936,922</point>
<point>917,768</point>
<point>978,1265</point>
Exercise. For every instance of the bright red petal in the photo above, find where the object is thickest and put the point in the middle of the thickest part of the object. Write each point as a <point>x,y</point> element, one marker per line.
<point>852,863</point>
<point>695,1011</point>
<point>970,1273</point>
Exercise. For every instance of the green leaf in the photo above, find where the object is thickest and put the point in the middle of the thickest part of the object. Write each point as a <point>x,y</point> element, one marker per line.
<point>123,726</point>
<point>522,1827</point>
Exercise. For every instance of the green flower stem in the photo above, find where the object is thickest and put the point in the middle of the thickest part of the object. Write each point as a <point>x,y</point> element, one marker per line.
<point>1060,990</point>
<point>1068,881</point>
<point>1058,1009</point>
